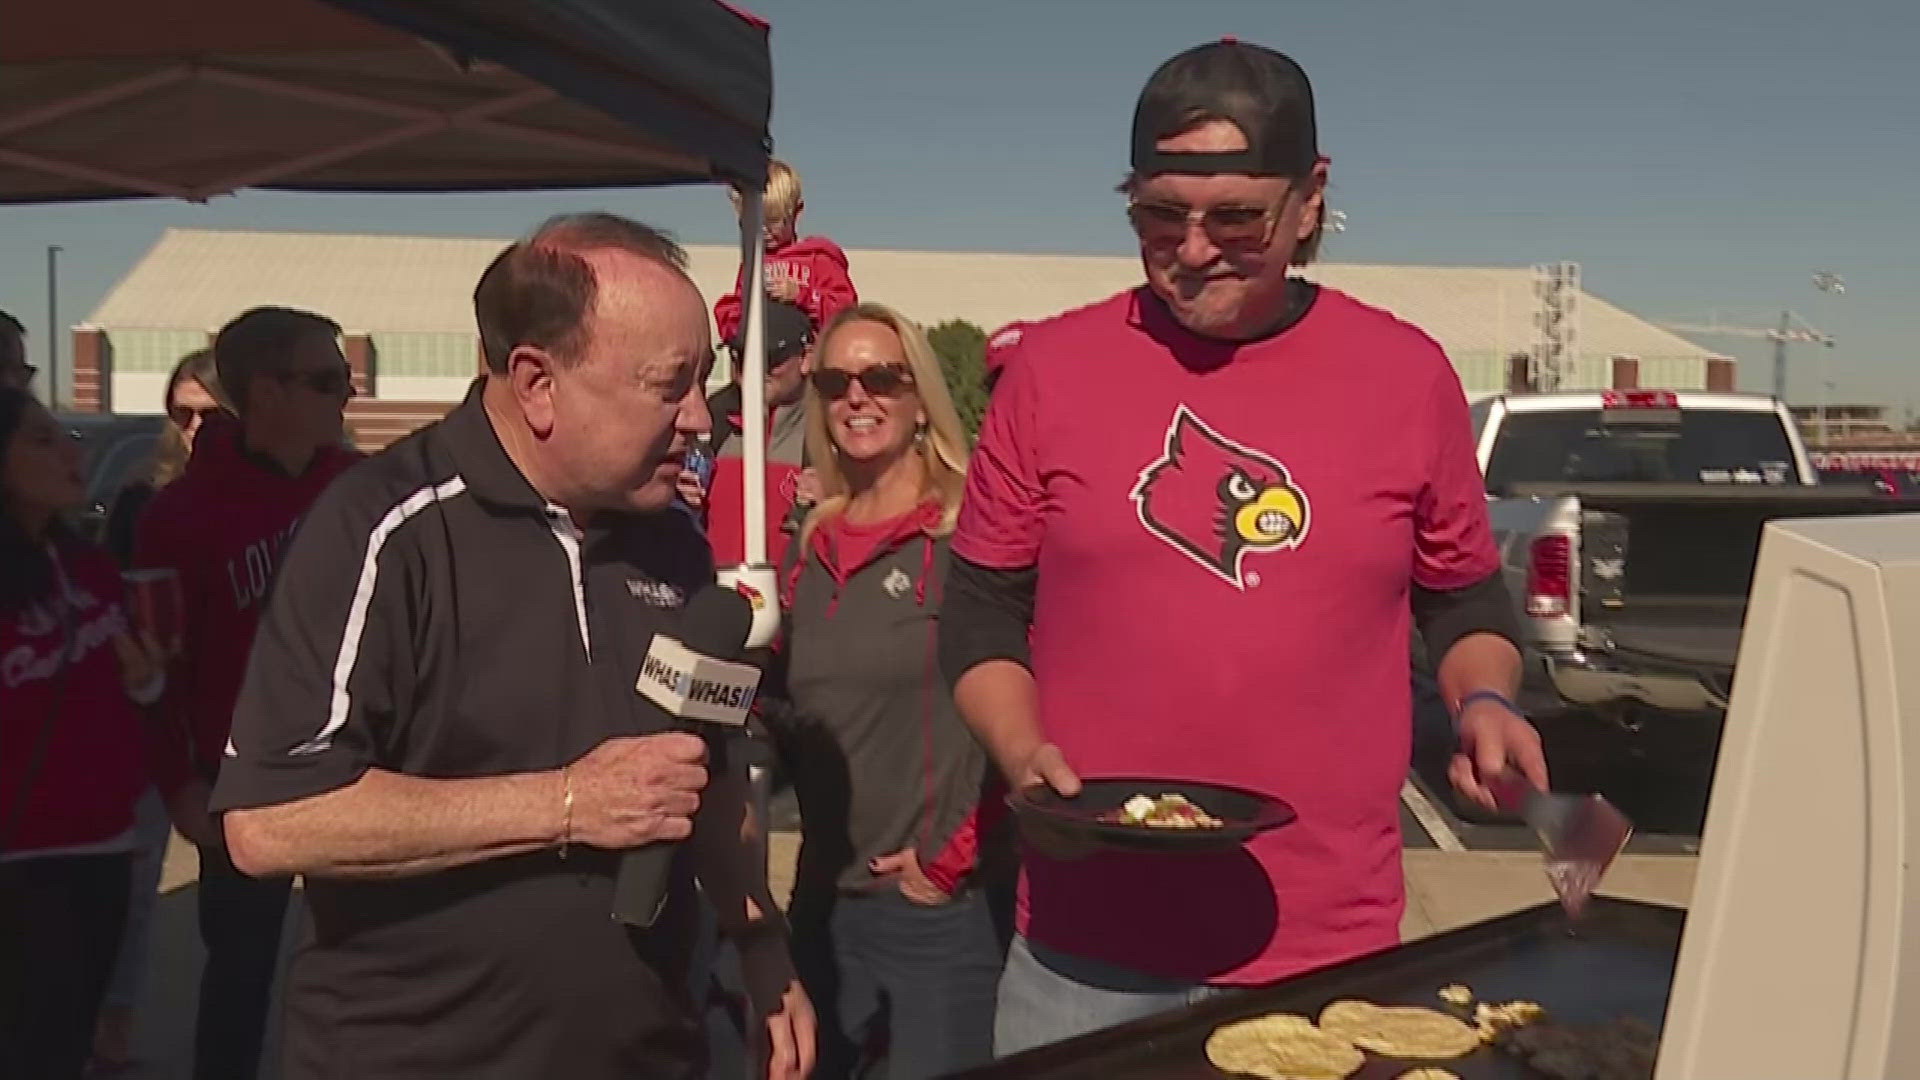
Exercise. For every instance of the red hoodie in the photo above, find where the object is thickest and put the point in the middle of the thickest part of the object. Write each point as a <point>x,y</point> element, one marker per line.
<point>825,287</point>
<point>91,769</point>
<point>223,526</point>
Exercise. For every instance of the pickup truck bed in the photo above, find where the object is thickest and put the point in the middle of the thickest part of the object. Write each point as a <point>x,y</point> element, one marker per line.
<point>1702,630</point>
<point>1664,574</point>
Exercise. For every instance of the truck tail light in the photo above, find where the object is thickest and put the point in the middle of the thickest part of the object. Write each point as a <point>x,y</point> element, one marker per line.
<point>1639,399</point>
<point>1550,577</point>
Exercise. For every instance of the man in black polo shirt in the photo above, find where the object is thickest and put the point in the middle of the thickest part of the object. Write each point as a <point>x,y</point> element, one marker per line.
<point>439,727</point>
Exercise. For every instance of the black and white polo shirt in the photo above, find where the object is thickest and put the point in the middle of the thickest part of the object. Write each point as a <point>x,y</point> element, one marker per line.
<point>436,617</point>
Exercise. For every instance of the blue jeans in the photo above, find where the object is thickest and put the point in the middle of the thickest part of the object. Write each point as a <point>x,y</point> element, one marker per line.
<point>925,975</point>
<point>1048,996</point>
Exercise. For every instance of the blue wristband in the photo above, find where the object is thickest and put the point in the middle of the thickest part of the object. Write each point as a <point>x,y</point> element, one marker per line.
<point>1460,707</point>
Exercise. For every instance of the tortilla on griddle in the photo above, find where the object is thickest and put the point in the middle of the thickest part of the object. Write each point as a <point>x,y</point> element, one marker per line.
<point>1282,1046</point>
<point>1401,1031</point>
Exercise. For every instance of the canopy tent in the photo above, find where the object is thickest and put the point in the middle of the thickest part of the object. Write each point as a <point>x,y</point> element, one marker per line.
<point>109,98</point>
<point>104,99</point>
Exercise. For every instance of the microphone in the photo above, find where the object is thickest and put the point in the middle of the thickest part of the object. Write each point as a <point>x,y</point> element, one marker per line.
<point>697,683</point>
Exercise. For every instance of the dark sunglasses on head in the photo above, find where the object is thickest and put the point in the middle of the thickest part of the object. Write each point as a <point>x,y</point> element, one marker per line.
<point>880,380</point>
<point>1157,222</point>
<point>329,381</point>
<point>183,416</point>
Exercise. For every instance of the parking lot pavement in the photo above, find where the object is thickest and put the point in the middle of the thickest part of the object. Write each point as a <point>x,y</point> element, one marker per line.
<point>1448,890</point>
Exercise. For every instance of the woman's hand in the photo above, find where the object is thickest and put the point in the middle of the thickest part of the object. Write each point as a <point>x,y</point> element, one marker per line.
<point>806,487</point>
<point>143,664</point>
<point>914,884</point>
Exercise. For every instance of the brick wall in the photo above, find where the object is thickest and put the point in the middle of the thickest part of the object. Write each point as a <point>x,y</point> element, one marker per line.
<point>1626,373</point>
<point>92,371</point>
<point>360,358</point>
<point>1519,373</point>
<point>1720,374</point>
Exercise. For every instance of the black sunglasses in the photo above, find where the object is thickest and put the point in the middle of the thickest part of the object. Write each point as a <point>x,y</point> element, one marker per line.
<point>880,380</point>
<point>1239,226</point>
<point>330,381</point>
<point>182,415</point>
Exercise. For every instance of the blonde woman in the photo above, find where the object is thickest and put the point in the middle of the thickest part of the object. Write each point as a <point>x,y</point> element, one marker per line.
<point>193,394</point>
<point>888,911</point>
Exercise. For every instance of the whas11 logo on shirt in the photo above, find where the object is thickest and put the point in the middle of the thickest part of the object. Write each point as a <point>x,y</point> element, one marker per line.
<point>1218,501</point>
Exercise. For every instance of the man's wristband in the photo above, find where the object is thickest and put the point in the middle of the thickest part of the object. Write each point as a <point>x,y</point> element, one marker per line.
<point>1460,707</point>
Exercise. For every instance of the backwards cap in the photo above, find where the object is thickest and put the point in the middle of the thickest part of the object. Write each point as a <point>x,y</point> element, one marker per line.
<point>1263,93</point>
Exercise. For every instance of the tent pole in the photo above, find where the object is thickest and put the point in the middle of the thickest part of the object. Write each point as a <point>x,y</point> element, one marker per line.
<point>753,378</point>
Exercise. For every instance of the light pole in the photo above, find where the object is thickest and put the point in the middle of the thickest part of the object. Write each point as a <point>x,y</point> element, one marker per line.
<point>1833,285</point>
<point>53,325</point>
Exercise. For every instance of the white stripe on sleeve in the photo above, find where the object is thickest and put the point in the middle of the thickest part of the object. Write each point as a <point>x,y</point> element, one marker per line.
<point>362,599</point>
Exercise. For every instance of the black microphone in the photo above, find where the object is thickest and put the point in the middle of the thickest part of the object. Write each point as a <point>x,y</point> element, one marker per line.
<point>695,681</point>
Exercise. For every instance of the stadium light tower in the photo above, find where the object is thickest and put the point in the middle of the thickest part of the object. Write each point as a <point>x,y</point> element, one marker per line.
<point>1833,285</point>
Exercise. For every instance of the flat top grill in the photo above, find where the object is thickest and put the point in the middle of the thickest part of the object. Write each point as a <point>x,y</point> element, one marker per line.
<point>1617,961</point>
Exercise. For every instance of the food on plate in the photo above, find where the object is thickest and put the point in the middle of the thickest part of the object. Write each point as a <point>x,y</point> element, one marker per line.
<point>1429,1073</point>
<point>1401,1031</point>
<point>1623,1049</point>
<point>1457,995</point>
<point>1282,1046</point>
<point>1170,811</point>
<point>1494,1020</point>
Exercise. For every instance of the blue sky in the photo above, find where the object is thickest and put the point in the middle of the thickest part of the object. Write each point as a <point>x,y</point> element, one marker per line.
<point>1695,156</point>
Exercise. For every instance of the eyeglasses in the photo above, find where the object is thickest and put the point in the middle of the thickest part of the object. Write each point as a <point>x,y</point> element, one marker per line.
<point>1226,226</point>
<point>880,380</point>
<point>184,417</point>
<point>330,381</point>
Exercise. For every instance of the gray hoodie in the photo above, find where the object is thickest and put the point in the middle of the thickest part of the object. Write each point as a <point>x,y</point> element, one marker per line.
<point>879,755</point>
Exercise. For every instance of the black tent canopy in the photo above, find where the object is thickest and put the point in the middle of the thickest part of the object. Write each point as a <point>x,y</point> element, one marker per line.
<point>198,98</point>
<point>191,99</point>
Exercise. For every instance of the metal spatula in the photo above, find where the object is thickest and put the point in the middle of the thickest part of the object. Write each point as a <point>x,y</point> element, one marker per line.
<point>1579,835</point>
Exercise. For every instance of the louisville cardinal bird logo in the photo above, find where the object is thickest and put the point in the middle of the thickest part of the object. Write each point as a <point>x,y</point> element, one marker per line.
<point>1217,501</point>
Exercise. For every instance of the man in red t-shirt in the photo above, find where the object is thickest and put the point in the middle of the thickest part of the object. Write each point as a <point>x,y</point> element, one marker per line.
<point>223,527</point>
<point>1216,502</point>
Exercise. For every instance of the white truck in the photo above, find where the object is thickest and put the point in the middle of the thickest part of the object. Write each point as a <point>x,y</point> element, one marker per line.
<point>1628,523</point>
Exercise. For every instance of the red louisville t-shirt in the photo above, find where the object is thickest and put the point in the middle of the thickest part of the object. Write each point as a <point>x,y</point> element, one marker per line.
<point>223,526</point>
<point>1225,537</point>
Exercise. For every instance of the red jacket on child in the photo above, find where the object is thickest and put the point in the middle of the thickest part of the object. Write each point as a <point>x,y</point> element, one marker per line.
<point>820,267</point>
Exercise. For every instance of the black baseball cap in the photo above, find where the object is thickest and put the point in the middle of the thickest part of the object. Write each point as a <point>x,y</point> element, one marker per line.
<point>789,332</point>
<point>1264,93</point>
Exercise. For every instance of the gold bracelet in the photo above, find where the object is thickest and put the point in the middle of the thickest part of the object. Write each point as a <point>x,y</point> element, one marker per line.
<point>566,808</point>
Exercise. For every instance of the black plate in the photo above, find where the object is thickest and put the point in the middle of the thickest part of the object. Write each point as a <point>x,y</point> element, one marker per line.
<point>1243,813</point>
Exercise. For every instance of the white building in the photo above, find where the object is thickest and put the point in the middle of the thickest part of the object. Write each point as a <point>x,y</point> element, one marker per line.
<point>405,302</point>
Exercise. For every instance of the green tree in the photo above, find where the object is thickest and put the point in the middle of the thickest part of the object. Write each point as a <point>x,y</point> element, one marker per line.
<point>962,348</point>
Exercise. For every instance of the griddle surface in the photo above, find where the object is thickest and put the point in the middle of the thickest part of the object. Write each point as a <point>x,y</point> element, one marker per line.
<point>1617,961</point>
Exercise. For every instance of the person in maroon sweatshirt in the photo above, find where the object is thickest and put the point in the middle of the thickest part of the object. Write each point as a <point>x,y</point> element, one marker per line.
<point>222,527</point>
<point>810,272</point>
<point>893,906</point>
<point>70,758</point>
